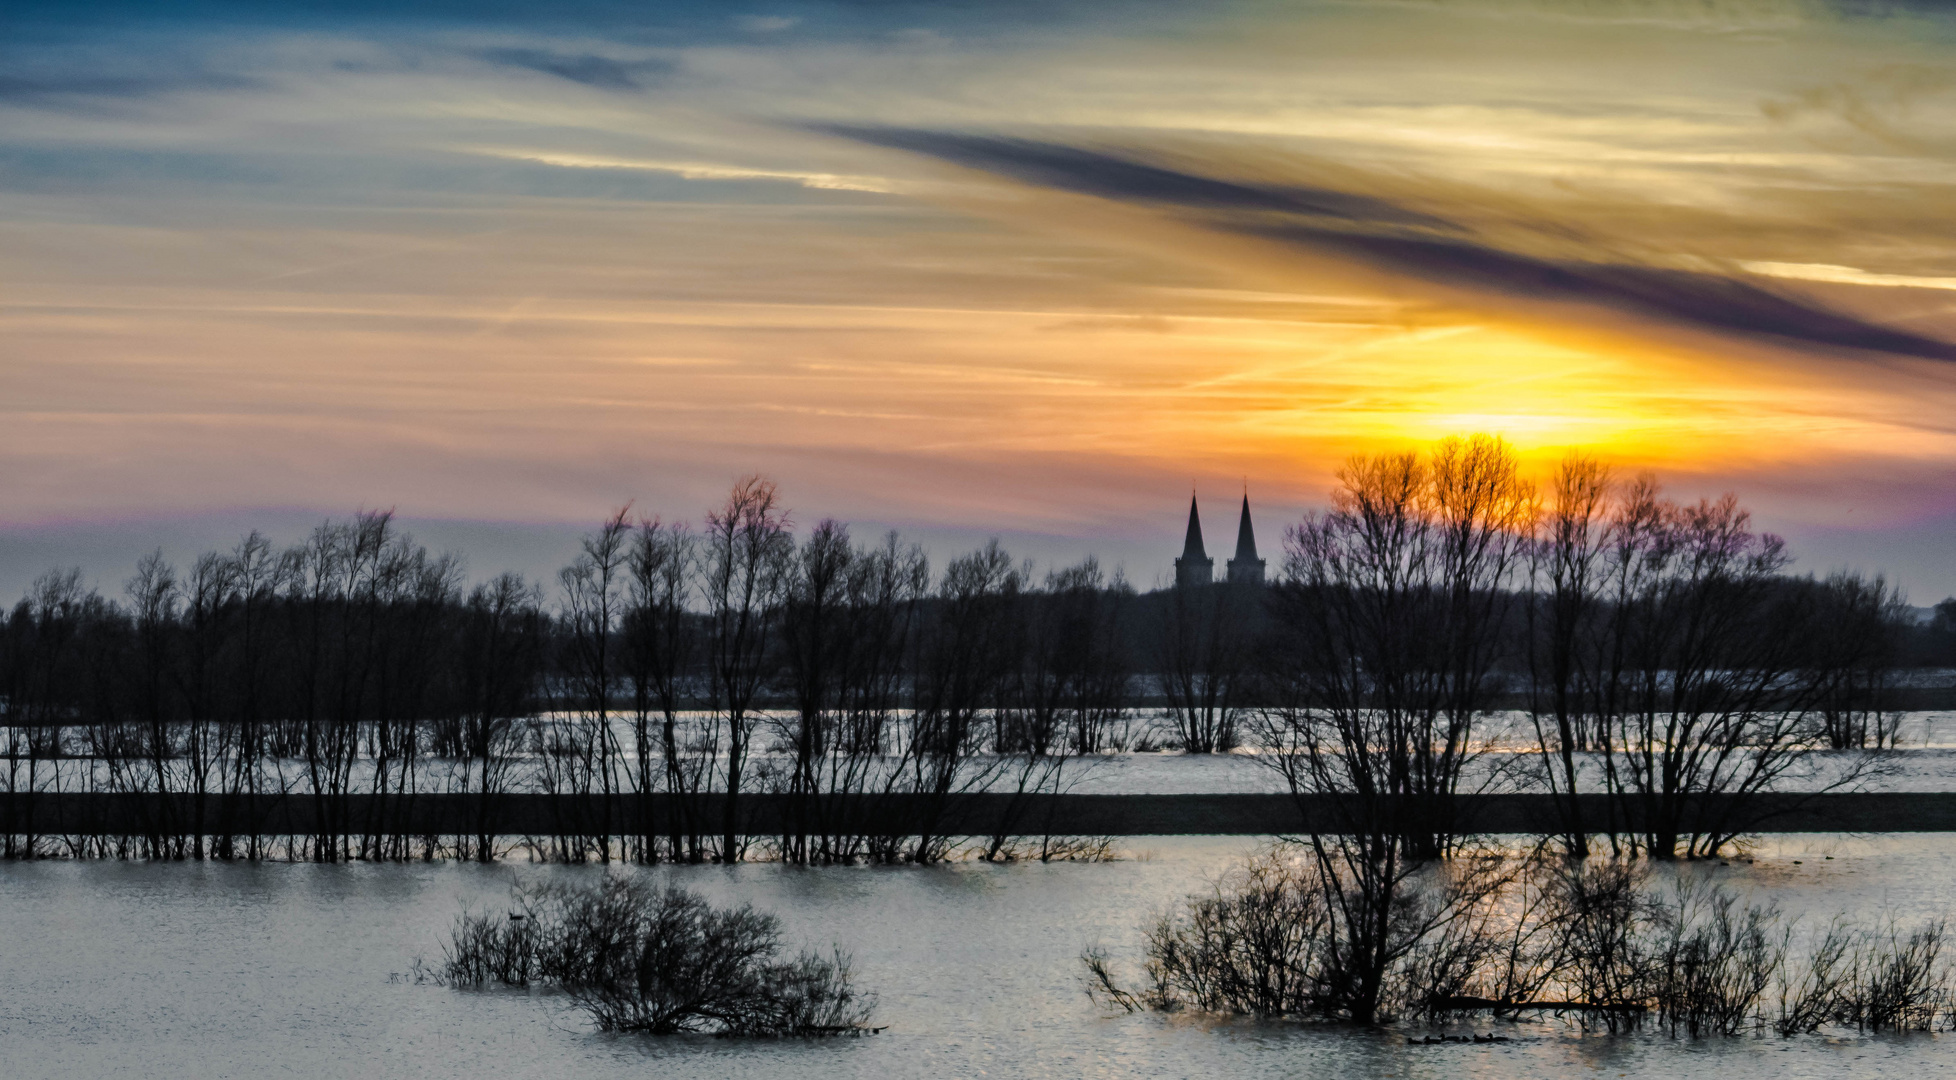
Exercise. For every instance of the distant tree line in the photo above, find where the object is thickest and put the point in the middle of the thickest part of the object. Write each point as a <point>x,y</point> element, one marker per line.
<point>1660,651</point>
<point>701,664</point>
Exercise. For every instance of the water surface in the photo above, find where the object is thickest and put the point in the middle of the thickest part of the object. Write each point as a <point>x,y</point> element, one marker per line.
<point>160,970</point>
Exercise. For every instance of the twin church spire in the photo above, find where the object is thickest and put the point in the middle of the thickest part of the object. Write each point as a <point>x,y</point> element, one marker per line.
<point>1195,567</point>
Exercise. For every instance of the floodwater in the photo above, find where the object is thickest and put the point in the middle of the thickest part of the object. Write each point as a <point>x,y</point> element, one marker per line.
<point>209,971</point>
<point>1924,759</point>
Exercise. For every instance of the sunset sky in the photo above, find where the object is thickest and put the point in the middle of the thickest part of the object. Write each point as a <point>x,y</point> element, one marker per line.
<point>962,269</point>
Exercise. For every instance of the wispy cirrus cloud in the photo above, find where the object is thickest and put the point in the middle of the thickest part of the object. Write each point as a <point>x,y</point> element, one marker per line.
<point>693,170</point>
<point>1848,275</point>
<point>520,259</point>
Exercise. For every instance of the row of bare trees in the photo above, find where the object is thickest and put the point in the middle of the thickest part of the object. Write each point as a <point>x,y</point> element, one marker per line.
<point>1661,651</point>
<point>1671,656</point>
<point>874,688</point>
<point>353,664</point>
<point>696,665</point>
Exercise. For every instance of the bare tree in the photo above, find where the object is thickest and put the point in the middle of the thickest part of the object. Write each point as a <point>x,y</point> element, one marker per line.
<point>1855,639</point>
<point>257,575</point>
<point>746,553</point>
<point>887,585</point>
<point>201,680</point>
<point>154,598</point>
<point>582,748</point>
<point>969,648</point>
<point>1395,607</point>
<point>1710,702</point>
<point>1666,642</point>
<point>816,627</point>
<point>500,659</point>
<point>659,645</point>
<point>1204,662</point>
<point>1565,567</point>
<point>1393,611</point>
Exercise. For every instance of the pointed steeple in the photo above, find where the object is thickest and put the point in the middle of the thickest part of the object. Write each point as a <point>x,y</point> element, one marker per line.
<point>1195,567</point>
<point>1245,536</point>
<point>1245,568</point>
<point>1192,546</point>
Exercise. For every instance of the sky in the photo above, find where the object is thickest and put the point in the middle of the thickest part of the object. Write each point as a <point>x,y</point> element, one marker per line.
<point>1025,269</point>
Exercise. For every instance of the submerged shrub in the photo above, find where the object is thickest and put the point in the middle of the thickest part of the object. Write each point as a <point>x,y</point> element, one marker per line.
<point>1290,934</point>
<point>1818,990</point>
<point>658,961</point>
<point>1256,944</point>
<point>1899,982</point>
<point>487,948</point>
<point>1601,910</point>
<point>1588,941</point>
<point>1712,961</point>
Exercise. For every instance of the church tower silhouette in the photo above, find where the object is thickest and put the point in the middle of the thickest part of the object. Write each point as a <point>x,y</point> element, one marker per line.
<point>1195,567</point>
<point>1245,568</point>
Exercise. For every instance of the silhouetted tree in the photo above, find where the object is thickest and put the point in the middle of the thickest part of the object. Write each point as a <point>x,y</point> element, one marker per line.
<point>1205,658</point>
<point>746,557</point>
<point>499,663</point>
<point>969,648</point>
<point>1855,638</point>
<point>1565,566</point>
<point>659,644</point>
<point>1393,610</point>
<point>580,747</point>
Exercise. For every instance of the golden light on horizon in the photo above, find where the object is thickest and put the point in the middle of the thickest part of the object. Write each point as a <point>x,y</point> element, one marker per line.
<point>951,276</point>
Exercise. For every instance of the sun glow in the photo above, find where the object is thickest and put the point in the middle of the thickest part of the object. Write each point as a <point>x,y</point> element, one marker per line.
<point>525,274</point>
<point>1642,407</point>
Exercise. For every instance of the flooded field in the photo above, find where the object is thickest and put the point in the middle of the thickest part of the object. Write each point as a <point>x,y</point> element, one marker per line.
<point>1505,757</point>
<point>181,970</point>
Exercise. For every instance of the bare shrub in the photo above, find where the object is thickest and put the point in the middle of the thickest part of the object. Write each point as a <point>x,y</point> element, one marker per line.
<point>1503,945</point>
<point>1050,848</point>
<point>1284,936</point>
<point>1081,849</point>
<point>488,948</point>
<point>1101,986</point>
<point>1587,940</point>
<point>1900,982</point>
<point>1713,961</point>
<point>1256,944</point>
<point>1602,957</point>
<point>658,961</point>
<point>1816,993</point>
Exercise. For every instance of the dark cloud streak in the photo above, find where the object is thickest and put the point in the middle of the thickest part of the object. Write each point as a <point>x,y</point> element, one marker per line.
<point>1704,301</point>
<point>57,89</point>
<point>1089,172</point>
<point>1377,233</point>
<point>589,69</point>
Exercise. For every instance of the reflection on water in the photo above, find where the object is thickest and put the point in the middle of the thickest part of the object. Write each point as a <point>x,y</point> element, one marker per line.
<point>1925,760</point>
<point>159,970</point>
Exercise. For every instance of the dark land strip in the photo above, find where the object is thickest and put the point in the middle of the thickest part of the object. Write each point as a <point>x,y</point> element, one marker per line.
<point>984,814</point>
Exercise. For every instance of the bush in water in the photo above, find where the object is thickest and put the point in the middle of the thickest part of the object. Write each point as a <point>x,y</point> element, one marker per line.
<point>1588,941</point>
<point>659,961</point>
